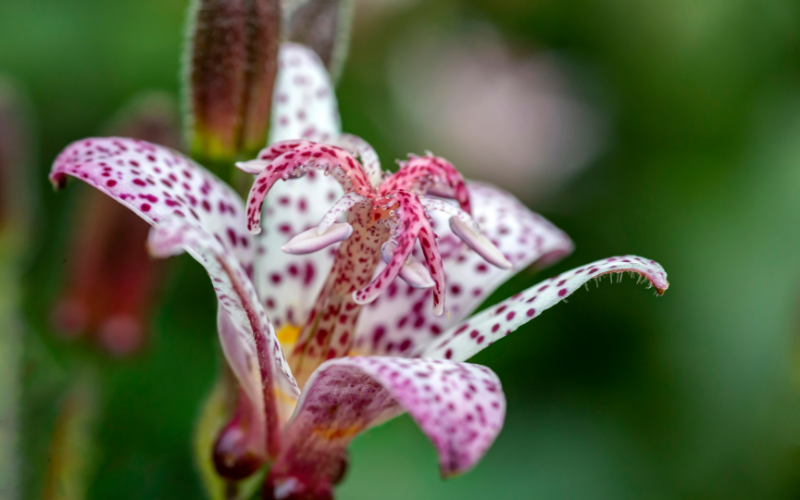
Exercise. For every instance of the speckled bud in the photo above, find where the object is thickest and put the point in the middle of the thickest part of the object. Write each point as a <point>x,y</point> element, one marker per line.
<point>111,282</point>
<point>151,116</point>
<point>232,62</point>
<point>323,25</point>
<point>239,448</point>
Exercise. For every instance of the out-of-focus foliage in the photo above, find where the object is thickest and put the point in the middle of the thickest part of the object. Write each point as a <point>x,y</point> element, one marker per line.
<point>614,395</point>
<point>16,211</point>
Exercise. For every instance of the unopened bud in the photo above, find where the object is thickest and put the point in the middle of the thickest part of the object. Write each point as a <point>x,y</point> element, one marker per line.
<point>233,60</point>
<point>239,449</point>
<point>111,281</point>
<point>151,116</point>
<point>323,25</point>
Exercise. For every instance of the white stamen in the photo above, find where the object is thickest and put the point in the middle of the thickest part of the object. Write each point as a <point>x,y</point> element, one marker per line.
<point>480,243</point>
<point>252,166</point>
<point>286,488</point>
<point>310,241</point>
<point>413,272</point>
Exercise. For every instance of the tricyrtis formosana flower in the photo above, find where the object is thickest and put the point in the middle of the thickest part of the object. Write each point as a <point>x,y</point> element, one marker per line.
<point>355,346</point>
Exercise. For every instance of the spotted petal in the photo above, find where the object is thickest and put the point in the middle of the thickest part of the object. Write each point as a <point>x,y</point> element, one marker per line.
<point>304,105</point>
<point>155,183</point>
<point>245,317</point>
<point>194,211</point>
<point>288,284</point>
<point>472,336</point>
<point>399,320</point>
<point>459,406</point>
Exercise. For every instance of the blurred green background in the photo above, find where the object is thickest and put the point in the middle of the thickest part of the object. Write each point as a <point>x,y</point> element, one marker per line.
<point>614,395</point>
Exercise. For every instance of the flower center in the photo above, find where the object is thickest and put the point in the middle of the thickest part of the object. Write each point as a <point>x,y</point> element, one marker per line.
<point>386,217</point>
<point>383,207</point>
<point>330,328</point>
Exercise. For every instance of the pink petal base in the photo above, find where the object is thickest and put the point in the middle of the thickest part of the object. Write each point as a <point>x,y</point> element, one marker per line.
<point>459,406</point>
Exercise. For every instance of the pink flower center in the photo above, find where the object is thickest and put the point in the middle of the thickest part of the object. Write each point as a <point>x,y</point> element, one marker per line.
<point>386,218</point>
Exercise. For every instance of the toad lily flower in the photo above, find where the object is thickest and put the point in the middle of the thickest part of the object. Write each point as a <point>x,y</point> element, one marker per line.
<point>349,367</point>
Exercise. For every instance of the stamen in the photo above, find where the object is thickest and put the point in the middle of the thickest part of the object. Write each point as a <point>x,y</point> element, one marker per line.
<point>312,240</point>
<point>480,243</point>
<point>413,272</point>
<point>469,231</point>
<point>252,166</point>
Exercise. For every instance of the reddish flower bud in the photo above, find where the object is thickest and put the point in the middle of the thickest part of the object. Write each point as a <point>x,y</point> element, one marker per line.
<point>233,61</point>
<point>111,280</point>
<point>151,116</point>
<point>323,25</point>
<point>298,487</point>
<point>239,449</point>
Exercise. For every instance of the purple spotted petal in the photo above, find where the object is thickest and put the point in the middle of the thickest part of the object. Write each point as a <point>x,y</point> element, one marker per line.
<point>304,104</point>
<point>465,340</point>
<point>245,318</point>
<point>400,321</point>
<point>289,284</point>
<point>459,406</point>
<point>194,211</point>
<point>155,183</point>
<point>243,360</point>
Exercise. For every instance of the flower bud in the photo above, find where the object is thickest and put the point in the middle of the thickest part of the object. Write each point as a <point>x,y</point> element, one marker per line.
<point>239,449</point>
<point>233,54</point>
<point>111,282</point>
<point>323,25</point>
<point>151,116</point>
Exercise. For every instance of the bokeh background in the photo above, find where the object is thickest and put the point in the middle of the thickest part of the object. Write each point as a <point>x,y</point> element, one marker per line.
<point>665,128</point>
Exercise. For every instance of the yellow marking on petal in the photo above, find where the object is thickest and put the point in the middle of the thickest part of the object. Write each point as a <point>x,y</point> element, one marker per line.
<point>286,405</point>
<point>288,334</point>
<point>331,433</point>
<point>283,397</point>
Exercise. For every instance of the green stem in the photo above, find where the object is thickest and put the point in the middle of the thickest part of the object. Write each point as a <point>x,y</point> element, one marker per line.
<point>10,355</point>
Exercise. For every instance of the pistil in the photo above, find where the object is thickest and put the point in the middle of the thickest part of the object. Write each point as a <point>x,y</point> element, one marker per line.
<point>328,333</point>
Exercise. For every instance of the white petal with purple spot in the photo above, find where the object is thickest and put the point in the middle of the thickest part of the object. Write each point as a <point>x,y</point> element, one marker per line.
<point>400,321</point>
<point>465,340</point>
<point>304,104</point>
